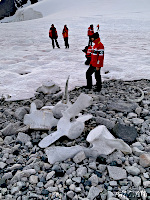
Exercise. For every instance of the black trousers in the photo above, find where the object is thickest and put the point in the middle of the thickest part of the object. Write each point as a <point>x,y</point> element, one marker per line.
<point>90,41</point>
<point>89,73</point>
<point>66,42</point>
<point>55,42</point>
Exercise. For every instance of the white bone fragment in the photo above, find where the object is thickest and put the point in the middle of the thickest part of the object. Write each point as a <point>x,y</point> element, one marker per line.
<point>82,102</point>
<point>39,119</point>
<point>63,104</point>
<point>138,99</point>
<point>66,127</point>
<point>104,142</point>
<point>59,154</point>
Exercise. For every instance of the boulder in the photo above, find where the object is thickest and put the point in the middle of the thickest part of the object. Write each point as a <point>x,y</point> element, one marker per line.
<point>127,133</point>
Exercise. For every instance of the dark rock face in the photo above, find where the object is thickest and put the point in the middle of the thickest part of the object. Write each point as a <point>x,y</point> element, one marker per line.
<point>7,8</point>
<point>126,133</point>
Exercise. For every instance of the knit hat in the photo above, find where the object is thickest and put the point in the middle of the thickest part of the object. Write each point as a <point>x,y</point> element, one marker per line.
<point>95,35</point>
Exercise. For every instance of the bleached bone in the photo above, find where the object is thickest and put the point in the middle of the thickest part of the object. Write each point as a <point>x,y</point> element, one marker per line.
<point>48,87</point>
<point>65,98</point>
<point>138,99</point>
<point>66,127</point>
<point>39,119</point>
<point>58,154</point>
<point>82,102</point>
<point>63,104</point>
<point>104,142</point>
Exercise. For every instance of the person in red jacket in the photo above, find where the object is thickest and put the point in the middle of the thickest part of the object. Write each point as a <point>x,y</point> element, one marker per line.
<point>97,58</point>
<point>53,35</point>
<point>65,36</point>
<point>90,33</point>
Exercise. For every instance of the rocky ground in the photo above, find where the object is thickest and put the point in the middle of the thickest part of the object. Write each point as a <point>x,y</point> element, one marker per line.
<point>24,169</point>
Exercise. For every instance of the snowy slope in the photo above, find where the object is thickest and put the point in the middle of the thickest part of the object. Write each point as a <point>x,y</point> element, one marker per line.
<point>27,58</point>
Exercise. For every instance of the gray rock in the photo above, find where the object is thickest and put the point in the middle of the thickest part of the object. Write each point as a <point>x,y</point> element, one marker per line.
<point>126,133</point>
<point>8,140</point>
<point>2,165</point>
<point>94,180</point>
<point>146,184</point>
<point>81,171</point>
<point>122,106</point>
<point>93,193</point>
<point>50,175</point>
<point>70,194</point>
<point>20,113</point>
<point>145,160</point>
<point>79,157</point>
<point>11,129</point>
<point>52,189</point>
<point>24,138</point>
<point>117,173</point>
<point>132,170</point>
<point>137,151</point>
<point>33,179</point>
<point>137,121</point>
<point>7,176</point>
<point>148,140</point>
<point>77,179</point>
<point>108,123</point>
<point>39,103</point>
<point>136,181</point>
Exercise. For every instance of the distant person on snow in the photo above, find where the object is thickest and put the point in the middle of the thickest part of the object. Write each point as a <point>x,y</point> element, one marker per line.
<point>90,33</point>
<point>97,27</point>
<point>97,58</point>
<point>65,36</point>
<point>53,35</point>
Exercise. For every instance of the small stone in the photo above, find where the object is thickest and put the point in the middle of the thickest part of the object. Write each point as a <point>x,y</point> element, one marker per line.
<point>81,171</point>
<point>117,173</point>
<point>50,175</point>
<point>33,179</point>
<point>133,170</point>
<point>2,165</point>
<point>79,157</point>
<point>145,160</point>
<point>94,180</point>
<point>70,194</point>
<point>146,184</point>
<point>93,193</point>
<point>24,138</point>
<point>137,121</point>
<point>136,180</point>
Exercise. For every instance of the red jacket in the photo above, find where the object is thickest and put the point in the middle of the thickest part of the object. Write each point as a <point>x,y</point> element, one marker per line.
<point>53,33</point>
<point>97,54</point>
<point>90,31</point>
<point>65,32</point>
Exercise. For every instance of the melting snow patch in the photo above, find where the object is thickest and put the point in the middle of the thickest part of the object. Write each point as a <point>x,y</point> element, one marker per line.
<point>27,14</point>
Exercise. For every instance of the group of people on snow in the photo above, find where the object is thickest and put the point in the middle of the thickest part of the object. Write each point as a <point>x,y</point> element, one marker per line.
<point>53,35</point>
<point>94,53</point>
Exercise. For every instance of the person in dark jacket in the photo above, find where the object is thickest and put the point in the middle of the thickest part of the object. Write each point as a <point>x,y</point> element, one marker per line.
<point>53,35</point>
<point>65,36</point>
<point>97,59</point>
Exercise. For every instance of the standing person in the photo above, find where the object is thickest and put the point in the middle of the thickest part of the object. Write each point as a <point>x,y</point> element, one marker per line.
<point>90,33</point>
<point>53,35</point>
<point>97,27</point>
<point>97,58</point>
<point>65,36</point>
